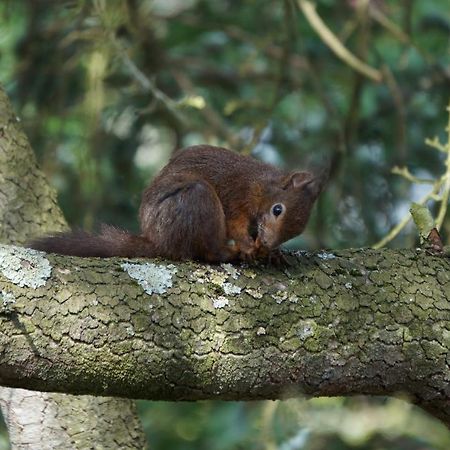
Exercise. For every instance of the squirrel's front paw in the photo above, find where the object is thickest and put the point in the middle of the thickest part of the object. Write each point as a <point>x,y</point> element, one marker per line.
<point>248,254</point>
<point>247,250</point>
<point>275,257</point>
<point>240,251</point>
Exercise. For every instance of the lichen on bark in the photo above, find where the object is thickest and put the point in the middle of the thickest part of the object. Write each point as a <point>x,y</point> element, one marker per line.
<point>367,322</point>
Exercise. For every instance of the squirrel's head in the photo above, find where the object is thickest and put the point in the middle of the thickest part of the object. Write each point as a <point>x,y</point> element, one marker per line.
<point>287,208</point>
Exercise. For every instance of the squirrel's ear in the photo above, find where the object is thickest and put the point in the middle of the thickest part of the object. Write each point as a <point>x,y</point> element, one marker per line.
<point>307,182</point>
<point>297,180</point>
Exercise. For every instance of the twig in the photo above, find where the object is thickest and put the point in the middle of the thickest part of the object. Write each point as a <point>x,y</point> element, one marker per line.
<point>391,26</point>
<point>283,80</point>
<point>211,116</point>
<point>397,32</point>
<point>436,144</point>
<point>351,119</point>
<point>146,84</point>
<point>335,44</point>
<point>446,177</point>
<point>444,181</point>
<point>399,227</point>
<point>405,173</point>
<point>267,419</point>
<point>400,111</point>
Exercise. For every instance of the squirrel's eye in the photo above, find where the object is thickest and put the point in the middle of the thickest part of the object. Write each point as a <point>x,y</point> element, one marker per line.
<point>277,209</point>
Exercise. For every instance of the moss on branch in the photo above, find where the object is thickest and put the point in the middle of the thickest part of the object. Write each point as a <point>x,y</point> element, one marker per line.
<point>365,321</point>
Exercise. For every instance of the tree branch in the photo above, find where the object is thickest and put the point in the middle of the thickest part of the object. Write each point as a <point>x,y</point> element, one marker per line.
<point>365,321</point>
<point>36,419</point>
<point>332,41</point>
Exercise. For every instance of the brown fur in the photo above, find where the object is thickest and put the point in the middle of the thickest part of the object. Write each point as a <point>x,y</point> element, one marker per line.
<point>209,204</point>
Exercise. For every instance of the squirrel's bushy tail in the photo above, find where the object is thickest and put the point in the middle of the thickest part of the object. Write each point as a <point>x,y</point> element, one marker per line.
<point>111,241</point>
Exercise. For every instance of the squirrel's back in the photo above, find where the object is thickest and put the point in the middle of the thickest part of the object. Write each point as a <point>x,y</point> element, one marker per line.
<point>208,203</point>
<point>220,165</point>
<point>235,178</point>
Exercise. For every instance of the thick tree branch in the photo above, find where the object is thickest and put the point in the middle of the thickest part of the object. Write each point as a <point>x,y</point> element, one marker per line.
<point>366,322</point>
<point>37,419</point>
<point>27,203</point>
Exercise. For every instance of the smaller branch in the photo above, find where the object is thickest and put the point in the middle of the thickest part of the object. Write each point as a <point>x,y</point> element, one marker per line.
<point>298,65</point>
<point>436,144</point>
<point>352,117</point>
<point>333,42</point>
<point>389,25</point>
<point>211,116</point>
<point>146,84</point>
<point>283,80</point>
<point>403,37</point>
<point>393,233</point>
<point>400,109</point>
<point>423,219</point>
<point>268,414</point>
<point>399,227</point>
<point>446,179</point>
<point>443,181</point>
<point>405,173</point>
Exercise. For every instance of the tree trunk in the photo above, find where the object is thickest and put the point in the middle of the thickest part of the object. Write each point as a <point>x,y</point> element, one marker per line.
<point>342,323</point>
<point>41,420</point>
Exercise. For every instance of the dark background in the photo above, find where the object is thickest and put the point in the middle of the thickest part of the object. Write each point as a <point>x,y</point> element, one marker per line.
<point>106,90</point>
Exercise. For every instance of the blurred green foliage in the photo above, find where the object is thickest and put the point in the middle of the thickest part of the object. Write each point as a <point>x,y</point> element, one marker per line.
<point>106,90</point>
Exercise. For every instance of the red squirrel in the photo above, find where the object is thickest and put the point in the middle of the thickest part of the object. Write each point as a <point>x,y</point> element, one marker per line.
<point>208,204</point>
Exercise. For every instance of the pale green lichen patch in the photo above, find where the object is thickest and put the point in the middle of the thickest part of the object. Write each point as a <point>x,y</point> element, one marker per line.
<point>23,266</point>
<point>220,302</point>
<point>220,278</point>
<point>207,274</point>
<point>249,273</point>
<point>231,289</point>
<point>255,293</point>
<point>306,329</point>
<point>216,277</point>
<point>280,296</point>
<point>153,278</point>
<point>231,270</point>
<point>7,300</point>
<point>199,275</point>
<point>325,255</point>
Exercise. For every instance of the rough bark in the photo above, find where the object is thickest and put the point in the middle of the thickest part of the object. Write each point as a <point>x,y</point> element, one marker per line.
<point>44,421</point>
<point>35,419</point>
<point>353,322</point>
<point>27,203</point>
